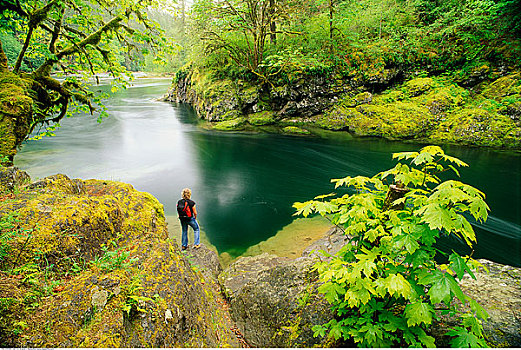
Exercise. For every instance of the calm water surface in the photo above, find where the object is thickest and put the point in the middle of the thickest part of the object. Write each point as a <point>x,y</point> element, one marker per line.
<point>245,184</point>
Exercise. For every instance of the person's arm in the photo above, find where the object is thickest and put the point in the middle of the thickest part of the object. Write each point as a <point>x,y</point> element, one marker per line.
<point>195,212</point>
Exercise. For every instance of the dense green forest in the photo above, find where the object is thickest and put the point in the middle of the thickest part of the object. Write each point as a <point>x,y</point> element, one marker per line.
<point>271,40</point>
<point>363,46</point>
<point>443,71</point>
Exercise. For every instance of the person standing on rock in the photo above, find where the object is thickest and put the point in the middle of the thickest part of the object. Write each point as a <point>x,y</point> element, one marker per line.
<point>188,216</point>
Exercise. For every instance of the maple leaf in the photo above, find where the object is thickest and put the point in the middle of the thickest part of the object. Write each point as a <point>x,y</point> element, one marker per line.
<point>418,313</point>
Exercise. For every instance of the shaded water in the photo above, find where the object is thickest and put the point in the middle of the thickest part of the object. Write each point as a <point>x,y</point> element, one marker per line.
<point>245,184</point>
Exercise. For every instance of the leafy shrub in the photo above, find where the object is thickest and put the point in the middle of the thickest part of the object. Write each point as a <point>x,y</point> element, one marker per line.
<point>385,284</point>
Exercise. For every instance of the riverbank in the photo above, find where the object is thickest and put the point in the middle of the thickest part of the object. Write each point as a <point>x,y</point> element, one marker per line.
<point>419,108</point>
<point>91,264</point>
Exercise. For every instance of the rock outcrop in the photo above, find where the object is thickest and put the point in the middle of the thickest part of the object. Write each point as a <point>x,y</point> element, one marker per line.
<point>498,288</point>
<point>427,109</point>
<point>89,264</point>
<point>274,302</point>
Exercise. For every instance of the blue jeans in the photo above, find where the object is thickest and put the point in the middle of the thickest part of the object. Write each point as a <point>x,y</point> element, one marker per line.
<point>184,229</point>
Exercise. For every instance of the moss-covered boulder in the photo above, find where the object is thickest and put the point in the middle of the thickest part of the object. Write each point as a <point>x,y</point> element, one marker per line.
<point>231,124</point>
<point>295,130</point>
<point>261,118</point>
<point>89,264</point>
<point>418,86</point>
<point>15,115</point>
<point>12,178</point>
<point>403,120</point>
<point>477,126</point>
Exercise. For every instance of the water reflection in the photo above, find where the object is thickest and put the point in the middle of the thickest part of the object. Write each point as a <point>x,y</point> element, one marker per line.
<point>245,184</point>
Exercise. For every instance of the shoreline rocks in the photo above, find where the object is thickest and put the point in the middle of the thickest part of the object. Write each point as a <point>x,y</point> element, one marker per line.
<point>433,109</point>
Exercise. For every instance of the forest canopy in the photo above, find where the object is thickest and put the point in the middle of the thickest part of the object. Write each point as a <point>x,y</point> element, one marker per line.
<point>268,38</point>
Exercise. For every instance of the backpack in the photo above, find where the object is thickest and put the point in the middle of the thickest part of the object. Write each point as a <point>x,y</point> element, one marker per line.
<point>183,209</point>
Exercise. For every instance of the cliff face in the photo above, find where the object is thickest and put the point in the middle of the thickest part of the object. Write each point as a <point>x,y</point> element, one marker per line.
<point>90,264</point>
<point>427,109</point>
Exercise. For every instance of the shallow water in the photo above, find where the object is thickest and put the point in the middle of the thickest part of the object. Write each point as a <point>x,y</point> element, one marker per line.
<point>245,184</point>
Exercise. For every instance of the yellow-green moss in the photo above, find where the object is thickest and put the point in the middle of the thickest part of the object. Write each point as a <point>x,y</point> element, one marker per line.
<point>232,124</point>
<point>397,120</point>
<point>261,118</point>
<point>504,86</point>
<point>15,113</point>
<point>478,126</point>
<point>418,86</point>
<point>295,130</point>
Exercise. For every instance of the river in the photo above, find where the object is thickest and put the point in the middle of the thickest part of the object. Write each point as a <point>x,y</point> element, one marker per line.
<point>245,183</point>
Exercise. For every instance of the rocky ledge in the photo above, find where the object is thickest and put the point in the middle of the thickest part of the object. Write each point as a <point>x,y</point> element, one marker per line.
<point>273,300</point>
<point>90,264</point>
<point>432,109</point>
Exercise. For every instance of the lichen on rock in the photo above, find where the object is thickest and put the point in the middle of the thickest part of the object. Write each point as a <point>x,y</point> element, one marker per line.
<point>91,265</point>
<point>274,301</point>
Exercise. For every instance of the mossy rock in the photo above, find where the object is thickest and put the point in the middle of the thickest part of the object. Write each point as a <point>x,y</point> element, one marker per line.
<point>390,96</point>
<point>363,98</point>
<point>337,118</point>
<point>442,98</point>
<point>262,118</point>
<point>12,308</point>
<point>418,86</point>
<point>230,125</point>
<point>402,120</point>
<point>358,99</point>
<point>12,178</point>
<point>477,126</point>
<point>153,298</point>
<point>295,130</point>
<point>504,86</point>
<point>68,220</point>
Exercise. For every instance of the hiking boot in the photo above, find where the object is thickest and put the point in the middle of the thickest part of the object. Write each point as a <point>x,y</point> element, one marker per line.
<point>184,247</point>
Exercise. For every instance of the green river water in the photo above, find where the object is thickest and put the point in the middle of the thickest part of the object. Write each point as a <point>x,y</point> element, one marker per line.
<point>245,183</point>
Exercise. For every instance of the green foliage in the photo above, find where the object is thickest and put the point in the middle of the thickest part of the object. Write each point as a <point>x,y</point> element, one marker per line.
<point>355,39</point>
<point>79,39</point>
<point>111,260</point>
<point>385,284</point>
<point>134,302</point>
<point>10,233</point>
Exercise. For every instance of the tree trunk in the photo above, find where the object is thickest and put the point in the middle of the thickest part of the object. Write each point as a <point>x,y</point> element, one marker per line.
<point>273,25</point>
<point>396,191</point>
<point>3,60</point>
<point>331,5</point>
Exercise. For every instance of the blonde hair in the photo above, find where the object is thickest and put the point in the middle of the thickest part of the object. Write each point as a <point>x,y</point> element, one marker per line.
<point>187,193</point>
